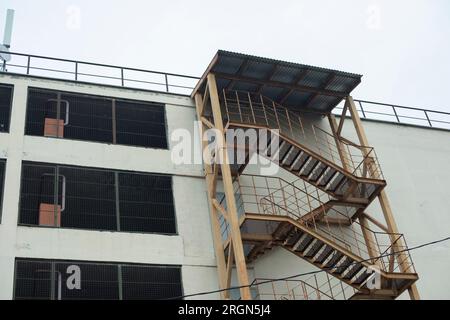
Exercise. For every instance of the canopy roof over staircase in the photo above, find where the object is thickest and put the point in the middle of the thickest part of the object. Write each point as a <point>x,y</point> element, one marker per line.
<point>298,87</point>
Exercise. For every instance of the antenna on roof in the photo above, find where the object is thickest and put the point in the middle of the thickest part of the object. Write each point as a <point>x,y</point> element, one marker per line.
<point>4,47</point>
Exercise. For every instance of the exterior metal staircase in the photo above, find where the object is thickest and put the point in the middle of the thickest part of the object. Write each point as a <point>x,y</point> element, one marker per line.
<point>310,153</point>
<point>281,214</point>
<point>314,207</point>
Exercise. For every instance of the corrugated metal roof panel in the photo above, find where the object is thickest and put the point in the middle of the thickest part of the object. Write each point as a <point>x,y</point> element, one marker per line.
<point>286,74</point>
<point>297,98</point>
<point>321,103</point>
<point>314,78</point>
<point>257,70</point>
<point>272,92</point>
<point>297,86</point>
<point>341,83</point>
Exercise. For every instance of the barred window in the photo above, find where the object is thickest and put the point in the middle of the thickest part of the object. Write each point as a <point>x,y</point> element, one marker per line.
<point>135,125</point>
<point>81,280</point>
<point>96,199</point>
<point>93,118</point>
<point>6,92</point>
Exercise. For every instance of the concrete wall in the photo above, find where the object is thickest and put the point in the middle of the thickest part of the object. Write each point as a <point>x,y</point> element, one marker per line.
<point>192,247</point>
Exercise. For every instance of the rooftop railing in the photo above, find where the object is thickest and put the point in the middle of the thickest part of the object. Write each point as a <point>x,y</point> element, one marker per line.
<point>82,71</point>
<point>400,114</point>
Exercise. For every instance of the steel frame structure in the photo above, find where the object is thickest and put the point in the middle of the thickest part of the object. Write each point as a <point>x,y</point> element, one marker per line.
<point>230,253</point>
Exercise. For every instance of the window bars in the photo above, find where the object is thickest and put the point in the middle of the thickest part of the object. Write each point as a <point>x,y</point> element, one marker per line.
<point>74,280</point>
<point>6,92</point>
<point>2,178</point>
<point>96,199</point>
<point>93,118</point>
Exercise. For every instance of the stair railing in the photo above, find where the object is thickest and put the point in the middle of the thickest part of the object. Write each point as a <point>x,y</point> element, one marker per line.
<point>261,112</point>
<point>291,289</point>
<point>330,286</point>
<point>276,196</point>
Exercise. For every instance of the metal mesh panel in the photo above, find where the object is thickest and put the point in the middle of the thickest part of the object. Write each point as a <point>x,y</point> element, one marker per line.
<point>40,105</point>
<point>89,199</point>
<point>37,188</point>
<point>33,280</point>
<point>75,280</point>
<point>93,118</point>
<point>2,178</point>
<point>90,118</point>
<point>98,281</point>
<point>96,199</point>
<point>150,282</point>
<point>5,106</point>
<point>140,124</point>
<point>146,203</point>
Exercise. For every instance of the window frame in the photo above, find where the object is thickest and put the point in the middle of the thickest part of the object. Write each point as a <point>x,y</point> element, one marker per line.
<point>55,165</point>
<point>152,104</point>
<point>2,187</point>
<point>11,86</point>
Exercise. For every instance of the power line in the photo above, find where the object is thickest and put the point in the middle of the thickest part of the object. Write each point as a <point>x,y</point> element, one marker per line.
<point>312,272</point>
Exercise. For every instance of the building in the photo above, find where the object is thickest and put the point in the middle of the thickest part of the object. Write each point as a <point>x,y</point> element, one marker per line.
<point>94,205</point>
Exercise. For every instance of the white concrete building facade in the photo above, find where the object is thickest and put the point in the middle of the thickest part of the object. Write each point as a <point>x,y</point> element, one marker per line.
<point>414,162</point>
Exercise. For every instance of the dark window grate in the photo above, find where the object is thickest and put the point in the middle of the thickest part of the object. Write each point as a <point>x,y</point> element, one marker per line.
<point>2,183</point>
<point>6,93</point>
<point>52,279</point>
<point>96,199</point>
<point>94,118</point>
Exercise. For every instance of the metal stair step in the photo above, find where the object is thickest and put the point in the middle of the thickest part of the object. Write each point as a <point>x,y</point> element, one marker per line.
<point>343,187</point>
<point>353,271</point>
<point>333,260</point>
<point>309,167</point>
<point>268,149</point>
<point>337,181</point>
<point>277,148</point>
<point>293,239</point>
<point>298,164</point>
<point>291,156</point>
<point>304,243</point>
<point>284,152</point>
<point>324,254</point>
<point>318,172</point>
<point>327,177</point>
<point>315,248</point>
<point>344,265</point>
<point>296,159</point>
<point>361,278</point>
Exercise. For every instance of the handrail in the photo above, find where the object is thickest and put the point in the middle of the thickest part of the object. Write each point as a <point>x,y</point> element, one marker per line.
<point>401,114</point>
<point>348,244</point>
<point>257,110</point>
<point>330,284</point>
<point>367,153</point>
<point>273,195</point>
<point>121,78</point>
<point>427,119</point>
<point>290,291</point>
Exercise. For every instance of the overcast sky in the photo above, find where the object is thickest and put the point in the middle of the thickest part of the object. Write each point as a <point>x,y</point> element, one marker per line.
<point>402,48</point>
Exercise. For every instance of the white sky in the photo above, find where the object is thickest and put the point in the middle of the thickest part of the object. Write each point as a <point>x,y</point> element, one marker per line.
<point>401,47</point>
